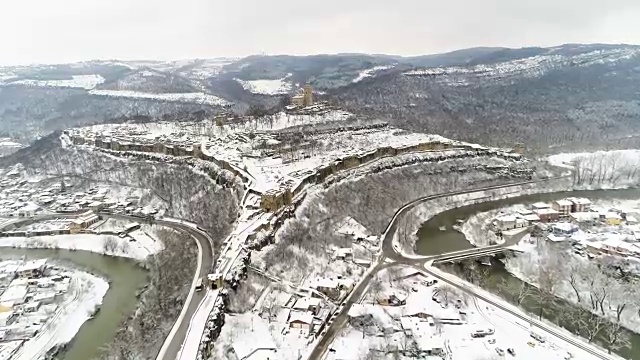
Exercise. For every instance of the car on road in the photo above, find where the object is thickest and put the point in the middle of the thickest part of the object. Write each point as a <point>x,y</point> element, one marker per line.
<point>538,337</point>
<point>431,282</point>
<point>511,352</point>
<point>492,341</point>
<point>500,351</point>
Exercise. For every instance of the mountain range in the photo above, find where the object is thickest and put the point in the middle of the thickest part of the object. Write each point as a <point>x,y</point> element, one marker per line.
<point>557,97</point>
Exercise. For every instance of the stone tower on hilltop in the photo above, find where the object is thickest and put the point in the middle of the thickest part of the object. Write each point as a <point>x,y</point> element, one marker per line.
<point>308,95</point>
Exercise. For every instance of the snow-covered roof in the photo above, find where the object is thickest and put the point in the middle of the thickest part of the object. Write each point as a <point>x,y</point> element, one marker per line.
<point>257,347</point>
<point>540,205</point>
<point>584,216</point>
<point>352,227</point>
<point>545,211</point>
<point>306,302</point>
<point>613,215</point>
<point>581,201</point>
<point>563,226</point>
<point>14,293</point>
<point>532,217</point>
<point>32,265</point>
<point>506,218</point>
<point>303,317</point>
<point>563,202</point>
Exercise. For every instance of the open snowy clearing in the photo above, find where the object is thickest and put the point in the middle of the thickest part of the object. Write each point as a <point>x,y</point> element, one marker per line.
<point>371,72</point>
<point>78,81</point>
<point>139,249</point>
<point>266,87</point>
<point>196,98</point>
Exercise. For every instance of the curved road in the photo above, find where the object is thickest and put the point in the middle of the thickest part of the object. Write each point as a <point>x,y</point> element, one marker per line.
<point>390,256</point>
<point>170,350</point>
<point>172,344</point>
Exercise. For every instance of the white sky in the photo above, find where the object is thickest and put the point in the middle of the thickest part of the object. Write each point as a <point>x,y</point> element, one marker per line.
<point>55,31</point>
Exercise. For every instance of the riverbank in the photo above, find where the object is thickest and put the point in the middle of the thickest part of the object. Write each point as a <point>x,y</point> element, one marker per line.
<point>65,316</point>
<point>125,278</point>
<point>137,245</point>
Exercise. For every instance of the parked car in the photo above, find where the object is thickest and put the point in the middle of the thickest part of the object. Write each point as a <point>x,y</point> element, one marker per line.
<point>511,352</point>
<point>538,337</point>
<point>500,351</point>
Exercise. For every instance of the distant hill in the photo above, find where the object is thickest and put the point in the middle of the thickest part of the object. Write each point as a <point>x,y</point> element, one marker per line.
<point>565,96</point>
<point>558,96</point>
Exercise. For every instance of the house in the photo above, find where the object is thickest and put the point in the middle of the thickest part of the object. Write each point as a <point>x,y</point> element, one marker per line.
<point>613,218</point>
<point>309,304</point>
<point>31,307</point>
<point>580,205</point>
<point>547,215</point>
<point>562,206</point>
<point>46,297</point>
<point>564,229</point>
<point>301,320</point>
<point>531,218</point>
<point>539,206</point>
<point>505,222</point>
<point>32,269</point>
<point>83,221</point>
<point>584,217</point>
<point>343,254</point>
<point>391,298</point>
<point>14,295</point>
<point>332,287</point>
<point>6,318</point>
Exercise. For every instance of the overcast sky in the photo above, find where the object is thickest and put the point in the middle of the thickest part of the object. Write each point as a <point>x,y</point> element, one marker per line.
<point>56,31</point>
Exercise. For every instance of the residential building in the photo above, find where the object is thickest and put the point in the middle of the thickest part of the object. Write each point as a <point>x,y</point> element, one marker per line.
<point>540,205</point>
<point>547,215</point>
<point>32,269</point>
<point>613,218</point>
<point>562,206</point>
<point>83,221</point>
<point>580,205</point>
<point>391,298</point>
<point>584,217</point>
<point>505,222</point>
<point>564,229</point>
<point>308,304</point>
<point>301,320</point>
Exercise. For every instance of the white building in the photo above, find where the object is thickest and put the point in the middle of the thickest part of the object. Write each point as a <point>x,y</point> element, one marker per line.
<point>33,268</point>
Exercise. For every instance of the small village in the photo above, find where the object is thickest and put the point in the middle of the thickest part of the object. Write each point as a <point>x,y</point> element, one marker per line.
<point>31,294</point>
<point>591,230</point>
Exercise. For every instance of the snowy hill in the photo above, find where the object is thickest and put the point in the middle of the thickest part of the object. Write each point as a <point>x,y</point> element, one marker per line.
<point>150,81</point>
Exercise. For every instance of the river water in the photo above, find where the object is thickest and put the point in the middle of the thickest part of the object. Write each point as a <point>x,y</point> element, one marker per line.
<point>125,278</point>
<point>431,240</point>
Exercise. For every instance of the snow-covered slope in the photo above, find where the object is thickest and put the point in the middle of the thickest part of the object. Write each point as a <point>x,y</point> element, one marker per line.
<point>531,67</point>
<point>195,97</point>
<point>371,72</point>
<point>77,81</point>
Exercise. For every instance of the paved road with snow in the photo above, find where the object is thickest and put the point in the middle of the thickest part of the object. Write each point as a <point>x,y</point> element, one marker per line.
<point>392,256</point>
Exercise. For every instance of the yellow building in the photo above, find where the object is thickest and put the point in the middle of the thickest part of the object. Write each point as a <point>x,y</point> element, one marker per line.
<point>303,99</point>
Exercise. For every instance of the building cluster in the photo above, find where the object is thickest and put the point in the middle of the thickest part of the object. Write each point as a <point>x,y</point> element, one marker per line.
<point>29,295</point>
<point>542,212</point>
<point>591,230</point>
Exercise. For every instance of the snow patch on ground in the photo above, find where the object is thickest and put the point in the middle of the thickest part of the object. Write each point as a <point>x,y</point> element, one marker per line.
<point>77,81</point>
<point>139,249</point>
<point>267,87</point>
<point>197,98</point>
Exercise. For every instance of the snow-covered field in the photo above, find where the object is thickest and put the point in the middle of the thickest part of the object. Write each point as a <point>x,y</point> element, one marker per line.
<point>267,87</point>
<point>84,295</point>
<point>77,81</point>
<point>421,324</point>
<point>139,249</point>
<point>196,98</point>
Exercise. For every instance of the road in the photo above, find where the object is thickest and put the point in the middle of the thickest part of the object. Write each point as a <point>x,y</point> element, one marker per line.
<point>173,342</point>
<point>390,256</point>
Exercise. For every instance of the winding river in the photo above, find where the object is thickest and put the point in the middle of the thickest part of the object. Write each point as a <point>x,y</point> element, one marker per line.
<point>125,278</point>
<point>431,240</point>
